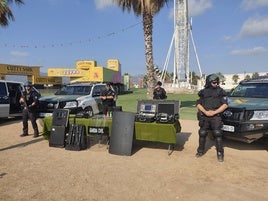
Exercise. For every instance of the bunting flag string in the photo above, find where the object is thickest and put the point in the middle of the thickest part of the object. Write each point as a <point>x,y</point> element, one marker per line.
<point>7,45</point>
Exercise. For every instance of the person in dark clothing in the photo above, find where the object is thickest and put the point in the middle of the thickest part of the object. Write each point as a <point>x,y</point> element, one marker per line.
<point>211,103</point>
<point>159,92</point>
<point>107,97</point>
<point>29,100</point>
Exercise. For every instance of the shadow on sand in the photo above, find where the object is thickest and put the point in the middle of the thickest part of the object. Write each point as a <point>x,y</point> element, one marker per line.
<point>257,145</point>
<point>181,139</point>
<point>24,144</point>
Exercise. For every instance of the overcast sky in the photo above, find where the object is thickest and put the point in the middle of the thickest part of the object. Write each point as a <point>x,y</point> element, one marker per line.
<point>231,36</point>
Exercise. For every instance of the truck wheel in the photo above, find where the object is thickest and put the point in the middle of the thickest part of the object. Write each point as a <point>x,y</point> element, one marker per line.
<point>89,111</point>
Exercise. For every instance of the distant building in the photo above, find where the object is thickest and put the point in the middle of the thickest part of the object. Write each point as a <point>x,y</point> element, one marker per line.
<point>140,82</point>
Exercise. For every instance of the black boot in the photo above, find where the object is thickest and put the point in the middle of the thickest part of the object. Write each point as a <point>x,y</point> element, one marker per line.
<point>201,147</point>
<point>24,134</point>
<point>36,134</point>
<point>220,156</point>
<point>219,148</point>
<point>199,154</point>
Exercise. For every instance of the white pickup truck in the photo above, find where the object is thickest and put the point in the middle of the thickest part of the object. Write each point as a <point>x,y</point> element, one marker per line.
<point>75,97</point>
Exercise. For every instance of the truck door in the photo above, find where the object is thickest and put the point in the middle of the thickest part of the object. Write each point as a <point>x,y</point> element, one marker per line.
<point>4,100</point>
<point>15,91</point>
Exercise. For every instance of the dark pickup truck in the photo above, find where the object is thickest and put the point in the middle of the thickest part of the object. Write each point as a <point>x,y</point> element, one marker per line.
<point>246,118</point>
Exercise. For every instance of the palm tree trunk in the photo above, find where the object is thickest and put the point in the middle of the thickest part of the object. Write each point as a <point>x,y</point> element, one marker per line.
<point>148,38</point>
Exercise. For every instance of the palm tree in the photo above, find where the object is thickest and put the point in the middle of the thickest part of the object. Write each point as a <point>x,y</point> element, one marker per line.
<point>221,76</point>
<point>235,78</point>
<point>255,75</point>
<point>147,9</point>
<point>194,78</point>
<point>5,12</point>
<point>247,77</point>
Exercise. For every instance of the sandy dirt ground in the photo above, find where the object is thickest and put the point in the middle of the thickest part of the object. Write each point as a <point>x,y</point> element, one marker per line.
<point>31,170</point>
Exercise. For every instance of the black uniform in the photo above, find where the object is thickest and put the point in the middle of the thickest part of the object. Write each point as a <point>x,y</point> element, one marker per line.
<point>159,93</point>
<point>29,111</point>
<point>107,103</point>
<point>211,98</point>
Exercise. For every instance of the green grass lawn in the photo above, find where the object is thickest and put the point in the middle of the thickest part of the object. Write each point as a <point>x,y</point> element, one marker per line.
<point>129,102</point>
<point>187,107</point>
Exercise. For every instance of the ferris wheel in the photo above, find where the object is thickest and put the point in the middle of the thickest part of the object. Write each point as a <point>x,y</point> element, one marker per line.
<point>180,46</point>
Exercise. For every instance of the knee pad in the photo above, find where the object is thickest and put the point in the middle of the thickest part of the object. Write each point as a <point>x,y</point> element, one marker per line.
<point>202,133</point>
<point>217,133</point>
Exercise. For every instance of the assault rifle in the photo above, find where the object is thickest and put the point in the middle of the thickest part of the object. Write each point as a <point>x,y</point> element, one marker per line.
<point>24,104</point>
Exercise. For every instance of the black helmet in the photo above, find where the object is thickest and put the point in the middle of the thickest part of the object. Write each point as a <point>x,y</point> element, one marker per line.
<point>159,83</point>
<point>210,78</point>
<point>28,84</point>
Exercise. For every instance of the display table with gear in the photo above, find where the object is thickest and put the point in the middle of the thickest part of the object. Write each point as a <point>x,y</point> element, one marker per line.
<point>155,132</point>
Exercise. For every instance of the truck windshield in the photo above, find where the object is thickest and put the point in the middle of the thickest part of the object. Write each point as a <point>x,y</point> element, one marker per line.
<point>74,90</point>
<point>251,90</point>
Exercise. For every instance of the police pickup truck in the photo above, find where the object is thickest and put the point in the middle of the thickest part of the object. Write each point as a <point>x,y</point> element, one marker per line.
<point>246,118</point>
<point>75,97</point>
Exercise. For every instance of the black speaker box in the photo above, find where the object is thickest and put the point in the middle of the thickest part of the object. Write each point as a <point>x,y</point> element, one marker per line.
<point>122,133</point>
<point>60,117</point>
<point>57,136</point>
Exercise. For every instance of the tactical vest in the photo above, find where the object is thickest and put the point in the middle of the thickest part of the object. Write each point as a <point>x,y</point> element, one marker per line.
<point>159,94</point>
<point>211,98</point>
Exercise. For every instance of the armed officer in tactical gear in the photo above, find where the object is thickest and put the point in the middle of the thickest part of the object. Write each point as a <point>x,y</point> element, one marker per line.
<point>107,97</point>
<point>159,92</point>
<point>211,103</point>
<point>29,101</point>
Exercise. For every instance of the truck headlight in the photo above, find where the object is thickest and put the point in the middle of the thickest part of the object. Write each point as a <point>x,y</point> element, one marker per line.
<point>260,115</point>
<point>71,104</point>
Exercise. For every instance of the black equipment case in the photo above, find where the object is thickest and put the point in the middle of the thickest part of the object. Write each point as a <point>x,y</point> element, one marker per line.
<point>161,111</point>
<point>146,111</point>
<point>167,111</point>
<point>77,137</point>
